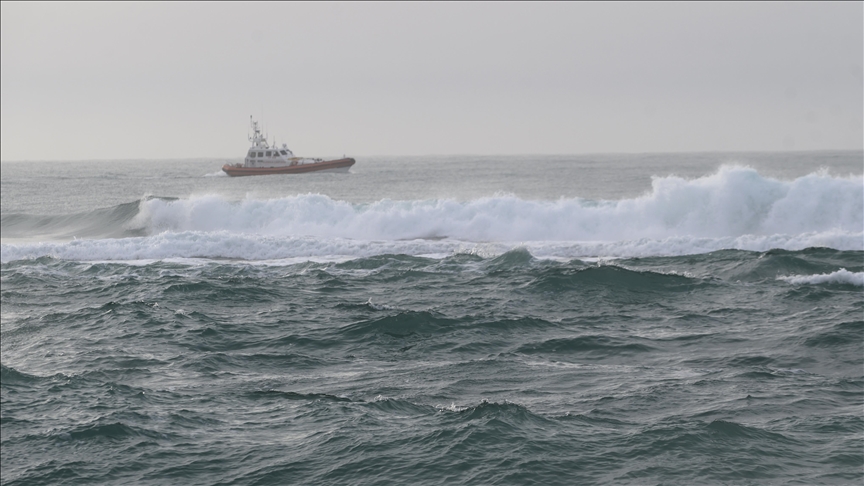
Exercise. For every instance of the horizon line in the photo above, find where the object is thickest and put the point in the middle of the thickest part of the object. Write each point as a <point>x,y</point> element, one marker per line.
<point>527,154</point>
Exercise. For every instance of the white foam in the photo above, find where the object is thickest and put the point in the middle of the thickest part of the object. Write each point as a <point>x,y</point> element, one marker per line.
<point>735,208</point>
<point>841,276</point>
<point>221,244</point>
<point>378,307</point>
<point>734,202</point>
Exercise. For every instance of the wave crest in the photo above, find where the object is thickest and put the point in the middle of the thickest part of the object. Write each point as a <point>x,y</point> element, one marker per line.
<point>841,277</point>
<point>734,202</point>
<point>735,208</point>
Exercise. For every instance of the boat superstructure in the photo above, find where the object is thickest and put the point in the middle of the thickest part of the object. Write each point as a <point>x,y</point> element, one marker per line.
<point>262,159</point>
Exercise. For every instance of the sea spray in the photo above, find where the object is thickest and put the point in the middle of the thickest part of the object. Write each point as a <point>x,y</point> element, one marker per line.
<point>735,208</point>
<point>841,276</point>
<point>733,202</point>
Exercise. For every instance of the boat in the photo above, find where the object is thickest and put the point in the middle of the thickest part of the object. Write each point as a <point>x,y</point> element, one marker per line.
<point>262,159</point>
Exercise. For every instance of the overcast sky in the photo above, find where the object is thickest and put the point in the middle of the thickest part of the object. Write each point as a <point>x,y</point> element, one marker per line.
<point>165,80</point>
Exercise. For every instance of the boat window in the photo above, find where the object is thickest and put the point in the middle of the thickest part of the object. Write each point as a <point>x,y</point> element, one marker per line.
<point>260,154</point>
<point>283,152</point>
<point>251,154</point>
<point>268,153</point>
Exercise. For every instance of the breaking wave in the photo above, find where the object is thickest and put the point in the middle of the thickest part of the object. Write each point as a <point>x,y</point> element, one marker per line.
<point>842,277</point>
<point>732,203</point>
<point>735,208</point>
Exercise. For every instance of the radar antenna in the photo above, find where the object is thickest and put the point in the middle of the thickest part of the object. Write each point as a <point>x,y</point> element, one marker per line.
<point>257,139</point>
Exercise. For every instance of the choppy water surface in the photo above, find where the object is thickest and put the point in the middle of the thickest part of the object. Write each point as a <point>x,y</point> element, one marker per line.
<point>438,320</point>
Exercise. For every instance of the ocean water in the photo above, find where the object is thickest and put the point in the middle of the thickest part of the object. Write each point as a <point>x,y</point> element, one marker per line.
<point>607,319</point>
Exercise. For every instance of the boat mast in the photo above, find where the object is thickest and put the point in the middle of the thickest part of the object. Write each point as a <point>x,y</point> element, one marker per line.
<point>258,141</point>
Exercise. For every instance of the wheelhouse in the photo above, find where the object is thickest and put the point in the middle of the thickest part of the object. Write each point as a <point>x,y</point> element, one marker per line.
<point>261,154</point>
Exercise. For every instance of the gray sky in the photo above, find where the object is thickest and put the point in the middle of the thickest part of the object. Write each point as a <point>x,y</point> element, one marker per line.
<point>164,80</point>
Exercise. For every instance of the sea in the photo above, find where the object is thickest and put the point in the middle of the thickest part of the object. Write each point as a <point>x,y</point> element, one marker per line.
<point>646,319</point>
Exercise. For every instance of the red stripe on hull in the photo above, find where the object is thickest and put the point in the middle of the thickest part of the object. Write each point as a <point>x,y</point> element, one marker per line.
<point>234,171</point>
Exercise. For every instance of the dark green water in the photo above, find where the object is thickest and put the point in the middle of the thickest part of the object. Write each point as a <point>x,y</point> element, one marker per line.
<point>206,338</point>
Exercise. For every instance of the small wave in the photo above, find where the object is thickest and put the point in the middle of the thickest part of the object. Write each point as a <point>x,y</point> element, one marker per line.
<point>11,376</point>
<point>401,325</point>
<point>400,406</point>
<point>600,346</point>
<point>504,412</point>
<point>842,334</point>
<point>377,307</point>
<point>563,279</point>
<point>286,395</point>
<point>726,429</point>
<point>841,277</point>
<point>510,260</point>
<point>218,173</point>
<point>111,431</point>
